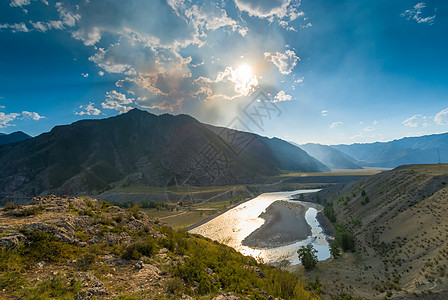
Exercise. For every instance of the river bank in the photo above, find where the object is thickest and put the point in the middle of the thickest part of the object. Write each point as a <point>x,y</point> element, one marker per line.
<point>285,224</point>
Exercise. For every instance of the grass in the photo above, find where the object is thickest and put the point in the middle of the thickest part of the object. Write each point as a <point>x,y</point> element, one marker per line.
<point>181,189</point>
<point>187,216</point>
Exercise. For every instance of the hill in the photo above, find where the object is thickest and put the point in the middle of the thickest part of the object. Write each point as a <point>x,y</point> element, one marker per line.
<point>14,137</point>
<point>399,220</point>
<point>139,148</point>
<point>332,158</point>
<point>410,150</point>
<point>83,248</point>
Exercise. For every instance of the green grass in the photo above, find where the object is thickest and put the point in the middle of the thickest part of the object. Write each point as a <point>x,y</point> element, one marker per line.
<point>182,189</point>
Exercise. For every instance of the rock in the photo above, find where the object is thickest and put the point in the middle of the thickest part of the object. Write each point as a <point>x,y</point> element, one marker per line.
<point>11,241</point>
<point>256,270</point>
<point>227,296</point>
<point>139,265</point>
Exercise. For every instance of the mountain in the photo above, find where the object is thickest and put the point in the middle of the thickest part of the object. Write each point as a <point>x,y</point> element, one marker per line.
<point>14,137</point>
<point>411,150</point>
<point>332,158</point>
<point>92,156</point>
<point>399,221</point>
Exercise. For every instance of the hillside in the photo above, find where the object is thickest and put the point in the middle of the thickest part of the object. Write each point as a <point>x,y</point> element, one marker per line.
<point>14,137</point>
<point>139,148</point>
<point>399,219</point>
<point>330,157</point>
<point>83,248</point>
<point>411,150</point>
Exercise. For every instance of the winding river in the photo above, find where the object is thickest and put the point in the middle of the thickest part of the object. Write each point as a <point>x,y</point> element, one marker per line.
<point>233,226</point>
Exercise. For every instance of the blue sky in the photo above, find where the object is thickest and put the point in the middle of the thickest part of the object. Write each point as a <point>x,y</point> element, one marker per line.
<point>333,71</point>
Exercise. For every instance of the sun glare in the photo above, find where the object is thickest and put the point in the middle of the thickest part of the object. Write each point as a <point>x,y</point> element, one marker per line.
<point>244,73</point>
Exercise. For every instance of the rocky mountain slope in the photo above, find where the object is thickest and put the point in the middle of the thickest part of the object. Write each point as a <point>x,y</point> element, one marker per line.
<point>83,248</point>
<point>411,150</point>
<point>92,156</point>
<point>14,137</point>
<point>331,157</point>
<point>400,221</point>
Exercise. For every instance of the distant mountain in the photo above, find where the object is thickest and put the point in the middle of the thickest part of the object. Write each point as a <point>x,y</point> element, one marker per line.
<point>332,158</point>
<point>14,137</point>
<point>92,156</point>
<point>412,150</point>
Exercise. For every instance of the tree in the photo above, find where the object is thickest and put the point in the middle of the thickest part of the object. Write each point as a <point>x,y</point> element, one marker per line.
<point>307,255</point>
<point>334,249</point>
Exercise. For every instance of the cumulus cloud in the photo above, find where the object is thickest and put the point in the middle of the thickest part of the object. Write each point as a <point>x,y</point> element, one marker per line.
<point>442,117</point>
<point>324,113</point>
<point>5,119</point>
<point>150,46</point>
<point>336,124</point>
<point>31,115</point>
<point>285,62</point>
<point>88,110</point>
<point>117,101</point>
<point>284,11</point>
<point>282,96</point>
<point>415,13</point>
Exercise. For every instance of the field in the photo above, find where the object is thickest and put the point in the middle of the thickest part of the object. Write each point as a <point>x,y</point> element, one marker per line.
<point>184,217</point>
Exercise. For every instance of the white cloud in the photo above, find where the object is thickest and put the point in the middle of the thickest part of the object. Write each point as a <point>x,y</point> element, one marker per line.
<point>285,62</point>
<point>89,110</point>
<point>5,119</point>
<point>282,96</point>
<point>16,27</point>
<point>284,11</point>
<point>417,121</point>
<point>336,124</point>
<point>31,115</point>
<point>442,117</point>
<point>412,121</point>
<point>324,113</point>
<point>85,75</point>
<point>415,13</point>
<point>117,101</point>
<point>101,73</point>
<point>369,128</point>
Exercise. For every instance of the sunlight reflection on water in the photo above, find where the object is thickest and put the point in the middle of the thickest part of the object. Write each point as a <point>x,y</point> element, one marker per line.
<point>233,226</point>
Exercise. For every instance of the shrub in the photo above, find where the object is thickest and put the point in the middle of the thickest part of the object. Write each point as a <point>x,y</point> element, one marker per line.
<point>136,250</point>
<point>11,205</point>
<point>307,255</point>
<point>334,249</point>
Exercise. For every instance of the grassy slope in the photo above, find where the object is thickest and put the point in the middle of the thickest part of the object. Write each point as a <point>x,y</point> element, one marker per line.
<point>402,234</point>
<point>176,264</point>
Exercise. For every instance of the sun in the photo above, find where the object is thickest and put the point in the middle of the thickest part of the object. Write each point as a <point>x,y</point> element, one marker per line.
<point>244,73</point>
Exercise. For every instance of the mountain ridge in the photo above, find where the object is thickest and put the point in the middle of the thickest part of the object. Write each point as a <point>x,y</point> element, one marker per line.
<point>89,156</point>
<point>14,137</point>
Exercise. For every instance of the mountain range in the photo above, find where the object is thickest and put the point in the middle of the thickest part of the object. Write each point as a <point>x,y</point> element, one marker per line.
<point>410,150</point>
<point>14,137</point>
<point>331,157</point>
<point>92,156</point>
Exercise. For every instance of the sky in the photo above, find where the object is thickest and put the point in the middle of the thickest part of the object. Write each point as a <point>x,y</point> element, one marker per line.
<point>331,72</point>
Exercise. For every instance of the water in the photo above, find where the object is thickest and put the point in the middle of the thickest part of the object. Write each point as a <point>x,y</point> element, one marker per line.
<point>233,226</point>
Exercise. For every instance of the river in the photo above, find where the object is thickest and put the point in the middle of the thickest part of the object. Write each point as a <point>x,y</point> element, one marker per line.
<point>233,226</point>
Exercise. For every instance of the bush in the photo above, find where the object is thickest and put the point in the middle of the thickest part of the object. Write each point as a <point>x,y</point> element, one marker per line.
<point>307,255</point>
<point>343,238</point>
<point>334,249</point>
<point>329,212</point>
<point>11,205</point>
<point>136,250</point>
<point>86,261</point>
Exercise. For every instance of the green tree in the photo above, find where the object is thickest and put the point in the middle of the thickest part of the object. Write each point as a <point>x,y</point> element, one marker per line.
<point>334,249</point>
<point>307,255</point>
